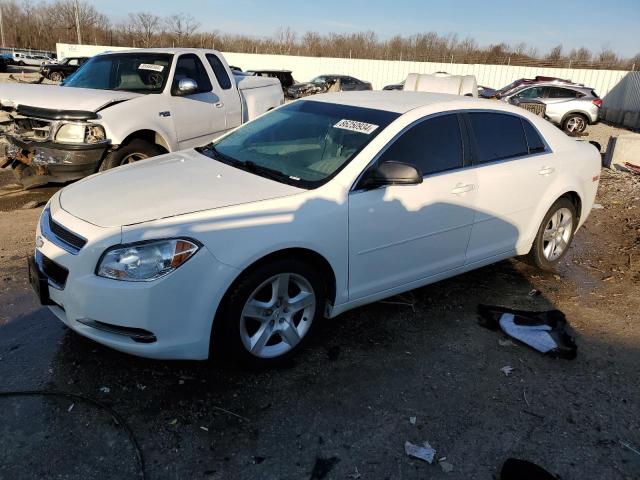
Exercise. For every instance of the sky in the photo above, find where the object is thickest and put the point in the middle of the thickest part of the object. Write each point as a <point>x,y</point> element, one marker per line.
<point>595,24</point>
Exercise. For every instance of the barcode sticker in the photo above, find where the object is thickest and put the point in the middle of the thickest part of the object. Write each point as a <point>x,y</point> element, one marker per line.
<point>355,126</point>
<point>151,66</point>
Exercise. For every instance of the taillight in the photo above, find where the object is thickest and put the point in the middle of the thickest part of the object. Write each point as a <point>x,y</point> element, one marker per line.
<point>597,102</point>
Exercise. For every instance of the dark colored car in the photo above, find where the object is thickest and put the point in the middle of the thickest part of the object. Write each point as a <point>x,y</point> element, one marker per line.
<point>59,71</point>
<point>395,86</point>
<point>285,77</point>
<point>3,64</point>
<point>327,83</point>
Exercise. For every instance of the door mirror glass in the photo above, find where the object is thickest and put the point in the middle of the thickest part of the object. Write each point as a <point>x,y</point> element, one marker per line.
<point>391,173</point>
<point>187,86</point>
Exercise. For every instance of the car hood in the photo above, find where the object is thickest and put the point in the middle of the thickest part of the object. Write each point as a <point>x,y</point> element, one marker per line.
<point>165,186</point>
<point>59,98</point>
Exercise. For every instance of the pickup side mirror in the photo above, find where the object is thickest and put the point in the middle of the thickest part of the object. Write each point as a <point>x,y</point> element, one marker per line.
<point>186,86</point>
<point>391,173</point>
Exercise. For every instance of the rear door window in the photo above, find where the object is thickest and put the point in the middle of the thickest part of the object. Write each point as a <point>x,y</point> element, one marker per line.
<point>497,136</point>
<point>557,92</point>
<point>220,72</point>
<point>432,146</point>
<point>534,141</point>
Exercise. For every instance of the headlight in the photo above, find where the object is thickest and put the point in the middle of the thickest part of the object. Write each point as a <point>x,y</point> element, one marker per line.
<point>80,133</point>
<point>143,262</point>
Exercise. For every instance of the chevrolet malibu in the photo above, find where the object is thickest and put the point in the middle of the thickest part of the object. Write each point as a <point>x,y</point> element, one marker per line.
<point>320,206</point>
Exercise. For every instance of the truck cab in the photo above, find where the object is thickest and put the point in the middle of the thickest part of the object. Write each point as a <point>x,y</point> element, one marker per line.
<point>125,106</point>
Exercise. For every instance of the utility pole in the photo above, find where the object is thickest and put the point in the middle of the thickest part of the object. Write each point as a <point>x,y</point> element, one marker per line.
<point>1,27</point>
<point>77,9</point>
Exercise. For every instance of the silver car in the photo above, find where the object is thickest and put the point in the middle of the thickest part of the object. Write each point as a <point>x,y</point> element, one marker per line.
<point>572,107</point>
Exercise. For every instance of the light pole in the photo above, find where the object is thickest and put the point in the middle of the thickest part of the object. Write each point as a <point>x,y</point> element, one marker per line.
<point>77,9</point>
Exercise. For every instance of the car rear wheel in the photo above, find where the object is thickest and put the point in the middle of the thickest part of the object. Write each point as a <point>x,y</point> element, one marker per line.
<point>271,313</point>
<point>56,76</point>
<point>132,152</point>
<point>554,235</point>
<point>574,124</point>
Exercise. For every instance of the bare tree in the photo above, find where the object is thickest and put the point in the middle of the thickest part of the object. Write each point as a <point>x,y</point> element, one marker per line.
<point>144,26</point>
<point>180,26</point>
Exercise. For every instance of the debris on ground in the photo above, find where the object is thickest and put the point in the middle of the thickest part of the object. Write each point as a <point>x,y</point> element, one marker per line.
<point>534,293</point>
<point>71,407</point>
<point>507,370</point>
<point>543,331</point>
<point>105,389</point>
<point>629,447</point>
<point>446,467</point>
<point>412,420</point>
<point>505,342</point>
<point>423,452</point>
<point>517,469</point>
<point>204,428</point>
<point>173,422</point>
<point>33,204</point>
<point>597,206</point>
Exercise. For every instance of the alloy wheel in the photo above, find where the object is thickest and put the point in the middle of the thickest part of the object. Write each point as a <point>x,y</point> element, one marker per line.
<point>576,124</point>
<point>277,315</point>
<point>133,157</point>
<point>557,234</point>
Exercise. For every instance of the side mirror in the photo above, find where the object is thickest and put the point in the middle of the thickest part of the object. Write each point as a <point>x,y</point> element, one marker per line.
<point>186,86</point>
<point>391,173</point>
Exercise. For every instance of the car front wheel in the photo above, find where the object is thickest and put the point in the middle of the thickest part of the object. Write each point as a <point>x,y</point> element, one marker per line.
<point>271,312</point>
<point>554,235</point>
<point>56,76</point>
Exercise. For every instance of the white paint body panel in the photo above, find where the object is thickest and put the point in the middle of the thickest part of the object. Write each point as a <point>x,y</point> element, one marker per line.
<point>377,242</point>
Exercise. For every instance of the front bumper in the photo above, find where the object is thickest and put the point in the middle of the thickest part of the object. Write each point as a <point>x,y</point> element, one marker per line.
<point>38,163</point>
<point>169,318</point>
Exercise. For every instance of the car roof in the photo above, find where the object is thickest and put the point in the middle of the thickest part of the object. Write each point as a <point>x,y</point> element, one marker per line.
<point>162,50</point>
<point>570,86</point>
<point>398,101</point>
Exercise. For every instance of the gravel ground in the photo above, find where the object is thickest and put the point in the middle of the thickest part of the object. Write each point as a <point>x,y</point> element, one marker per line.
<point>342,409</point>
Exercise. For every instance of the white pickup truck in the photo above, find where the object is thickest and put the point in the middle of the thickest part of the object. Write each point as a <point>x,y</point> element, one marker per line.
<point>125,106</point>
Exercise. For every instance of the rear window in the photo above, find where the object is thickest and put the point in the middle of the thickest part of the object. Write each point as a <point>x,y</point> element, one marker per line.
<point>497,136</point>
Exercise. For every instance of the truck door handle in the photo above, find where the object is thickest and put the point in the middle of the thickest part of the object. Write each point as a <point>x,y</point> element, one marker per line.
<point>460,188</point>
<point>218,104</point>
<point>546,171</point>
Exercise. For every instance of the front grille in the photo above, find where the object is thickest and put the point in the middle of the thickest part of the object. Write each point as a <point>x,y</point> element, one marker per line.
<point>65,235</point>
<point>55,272</point>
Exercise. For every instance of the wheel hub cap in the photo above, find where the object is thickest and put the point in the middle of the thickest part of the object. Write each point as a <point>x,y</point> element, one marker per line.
<point>557,234</point>
<point>277,315</point>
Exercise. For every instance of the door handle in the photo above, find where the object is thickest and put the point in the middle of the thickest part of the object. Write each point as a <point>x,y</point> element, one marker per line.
<point>458,189</point>
<point>546,171</point>
<point>218,104</point>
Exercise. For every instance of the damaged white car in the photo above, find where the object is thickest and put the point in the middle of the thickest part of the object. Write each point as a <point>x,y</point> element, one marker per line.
<point>313,209</point>
<point>125,106</point>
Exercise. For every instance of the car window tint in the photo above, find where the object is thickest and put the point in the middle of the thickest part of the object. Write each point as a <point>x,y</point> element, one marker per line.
<point>533,92</point>
<point>497,136</point>
<point>190,66</point>
<point>219,71</point>
<point>534,141</point>
<point>557,92</point>
<point>434,145</point>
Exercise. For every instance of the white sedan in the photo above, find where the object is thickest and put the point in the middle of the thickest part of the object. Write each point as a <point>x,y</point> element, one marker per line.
<point>315,208</point>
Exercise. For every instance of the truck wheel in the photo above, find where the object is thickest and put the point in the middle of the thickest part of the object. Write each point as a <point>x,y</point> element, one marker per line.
<point>129,153</point>
<point>56,76</point>
<point>270,313</point>
<point>574,124</point>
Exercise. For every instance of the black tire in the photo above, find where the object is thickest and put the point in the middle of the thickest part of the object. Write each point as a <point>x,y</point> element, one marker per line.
<point>133,151</point>
<point>537,254</point>
<point>226,334</point>
<point>575,124</point>
<point>56,76</point>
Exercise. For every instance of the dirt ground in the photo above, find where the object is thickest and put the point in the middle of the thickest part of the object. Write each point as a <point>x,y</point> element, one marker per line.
<point>342,409</point>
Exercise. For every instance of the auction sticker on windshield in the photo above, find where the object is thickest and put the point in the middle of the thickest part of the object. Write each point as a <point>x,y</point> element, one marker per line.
<point>151,66</point>
<point>356,126</point>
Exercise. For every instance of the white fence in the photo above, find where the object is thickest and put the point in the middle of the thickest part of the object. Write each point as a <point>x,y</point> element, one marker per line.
<point>619,89</point>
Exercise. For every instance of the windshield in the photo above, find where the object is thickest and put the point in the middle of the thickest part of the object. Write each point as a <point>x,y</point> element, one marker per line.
<point>130,72</point>
<point>304,143</point>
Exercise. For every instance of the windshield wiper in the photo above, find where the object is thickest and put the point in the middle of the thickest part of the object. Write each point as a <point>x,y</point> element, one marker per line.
<point>264,171</point>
